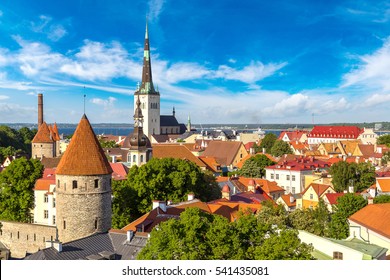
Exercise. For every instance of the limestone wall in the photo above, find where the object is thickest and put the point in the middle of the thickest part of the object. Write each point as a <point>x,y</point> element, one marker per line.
<point>85,209</point>
<point>43,149</point>
<point>22,238</point>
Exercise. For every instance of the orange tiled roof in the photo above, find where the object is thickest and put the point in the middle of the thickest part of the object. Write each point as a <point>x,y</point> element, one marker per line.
<point>84,155</point>
<point>119,171</point>
<point>43,135</point>
<point>176,151</point>
<point>43,184</point>
<point>384,184</point>
<point>287,201</point>
<point>318,188</point>
<point>223,151</point>
<point>211,163</point>
<point>375,217</point>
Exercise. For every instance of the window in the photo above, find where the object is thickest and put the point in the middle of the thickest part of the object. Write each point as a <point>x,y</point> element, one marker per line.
<point>293,177</point>
<point>96,183</point>
<point>54,219</point>
<point>64,224</point>
<point>45,214</point>
<point>311,196</point>
<point>337,255</point>
<point>74,184</point>
<point>134,158</point>
<point>58,183</point>
<point>277,176</point>
<point>287,189</point>
<point>272,176</point>
<point>288,177</point>
<point>46,198</point>
<point>54,202</point>
<point>141,158</point>
<point>65,186</point>
<point>293,190</point>
<point>35,237</point>
<point>96,223</point>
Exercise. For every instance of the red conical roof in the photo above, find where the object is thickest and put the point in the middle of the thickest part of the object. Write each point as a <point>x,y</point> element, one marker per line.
<point>43,135</point>
<point>84,155</point>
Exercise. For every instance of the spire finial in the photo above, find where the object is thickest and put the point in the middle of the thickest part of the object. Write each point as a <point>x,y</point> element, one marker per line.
<point>146,29</point>
<point>84,99</point>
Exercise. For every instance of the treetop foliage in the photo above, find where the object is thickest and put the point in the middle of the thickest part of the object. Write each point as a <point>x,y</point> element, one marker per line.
<point>254,166</point>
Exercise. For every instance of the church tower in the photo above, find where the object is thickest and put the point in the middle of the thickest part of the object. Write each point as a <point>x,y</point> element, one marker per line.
<point>83,187</point>
<point>149,97</point>
<point>137,143</point>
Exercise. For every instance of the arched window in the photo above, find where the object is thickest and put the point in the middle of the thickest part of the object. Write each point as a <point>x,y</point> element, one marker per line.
<point>142,158</point>
<point>134,158</point>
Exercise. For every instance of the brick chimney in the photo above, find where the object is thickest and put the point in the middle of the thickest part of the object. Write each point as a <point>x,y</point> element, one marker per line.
<point>40,109</point>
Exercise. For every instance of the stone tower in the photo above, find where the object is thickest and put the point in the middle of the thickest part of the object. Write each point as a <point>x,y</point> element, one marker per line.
<point>149,97</point>
<point>46,142</point>
<point>137,143</point>
<point>83,187</point>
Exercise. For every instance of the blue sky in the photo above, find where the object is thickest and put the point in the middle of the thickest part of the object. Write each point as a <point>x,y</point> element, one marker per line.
<point>221,61</point>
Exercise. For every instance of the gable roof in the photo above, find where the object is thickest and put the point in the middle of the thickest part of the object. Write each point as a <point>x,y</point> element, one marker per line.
<point>342,132</point>
<point>287,200</point>
<point>84,155</point>
<point>166,120</point>
<point>211,163</point>
<point>332,197</point>
<point>176,151</point>
<point>384,184</point>
<point>292,135</point>
<point>374,217</point>
<point>119,170</point>
<point>223,151</point>
<point>319,189</point>
<point>43,135</point>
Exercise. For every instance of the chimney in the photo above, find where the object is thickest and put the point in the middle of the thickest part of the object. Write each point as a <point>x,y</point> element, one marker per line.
<point>226,192</point>
<point>155,204</point>
<point>40,109</point>
<point>55,244</point>
<point>130,235</point>
<point>370,200</point>
<point>372,192</point>
<point>113,159</point>
<point>190,196</point>
<point>351,189</point>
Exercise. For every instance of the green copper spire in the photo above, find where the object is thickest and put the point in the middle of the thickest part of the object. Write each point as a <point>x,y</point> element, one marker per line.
<point>147,81</point>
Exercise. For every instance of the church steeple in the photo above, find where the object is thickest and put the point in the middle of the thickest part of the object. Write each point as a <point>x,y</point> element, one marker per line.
<point>147,81</point>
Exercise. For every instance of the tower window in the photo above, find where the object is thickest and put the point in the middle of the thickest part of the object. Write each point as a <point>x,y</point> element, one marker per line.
<point>64,224</point>
<point>96,223</point>
<point>96,183</point>
<point>58,183</point>
<point>74,184</point>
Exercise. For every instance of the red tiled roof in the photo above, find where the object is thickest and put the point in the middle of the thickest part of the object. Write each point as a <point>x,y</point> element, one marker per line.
<point>43,184</point>
<point>43,135</point>
<point>299,164</point>
<point>84,155</point>
<point>332,197</point>
<point>119,171</point>
<point>211,163</point>
<point>292,135</point>
<point>287,200</point>
<point>375,217</point>
<point>341,132</point>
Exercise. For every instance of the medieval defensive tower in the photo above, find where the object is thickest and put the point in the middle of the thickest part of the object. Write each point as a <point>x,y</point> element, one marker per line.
<point>83,187</point>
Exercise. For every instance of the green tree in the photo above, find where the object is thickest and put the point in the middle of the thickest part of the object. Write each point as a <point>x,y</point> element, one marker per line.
<point>254,166</point>
<point>382,199</point>
<point>347,205</point>
<point>108,144</point>
<point>160,179</point>
<point>202,236</point>
<point>280,148</point>
<point>267,142</point>
<point>16,189</point>
<point>384,140</point>
<point>386,157</point>
<point>344,174</point>
<point>272,214</point>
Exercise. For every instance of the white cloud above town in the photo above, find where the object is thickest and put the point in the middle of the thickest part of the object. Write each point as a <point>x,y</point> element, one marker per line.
<point>155,9</point>
<point>45,25</point>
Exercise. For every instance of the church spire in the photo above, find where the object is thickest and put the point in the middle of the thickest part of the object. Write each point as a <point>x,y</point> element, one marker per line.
<point>147,81</point>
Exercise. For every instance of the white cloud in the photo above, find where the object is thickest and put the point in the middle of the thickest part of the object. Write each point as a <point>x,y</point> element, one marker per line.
<point>99,61</point>
<point>376,99</point>
<point>106,103</point>
<point>13,112</point>
<point>3,57</point>
<point>3,97</point>
<point>44,25</point>
<point>155,9</point>
<point>252,73</point>
<point>34,58</point>
<point>373,70</point>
